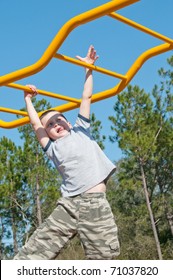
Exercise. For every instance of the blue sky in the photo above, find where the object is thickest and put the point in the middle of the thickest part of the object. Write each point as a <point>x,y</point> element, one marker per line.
<point>28,27</point>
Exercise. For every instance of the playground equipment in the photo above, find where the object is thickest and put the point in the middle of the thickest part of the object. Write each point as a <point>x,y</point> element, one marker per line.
<point>107,9</point>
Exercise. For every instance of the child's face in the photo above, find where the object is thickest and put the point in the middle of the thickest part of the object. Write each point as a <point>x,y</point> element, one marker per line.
<point>55,125</point>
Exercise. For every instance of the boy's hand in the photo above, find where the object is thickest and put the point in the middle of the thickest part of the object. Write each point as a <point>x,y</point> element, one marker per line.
<point>91,56</point>
<point>28,94</point>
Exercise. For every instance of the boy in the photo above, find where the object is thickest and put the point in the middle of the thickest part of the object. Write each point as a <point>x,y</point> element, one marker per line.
<point>83,208</point>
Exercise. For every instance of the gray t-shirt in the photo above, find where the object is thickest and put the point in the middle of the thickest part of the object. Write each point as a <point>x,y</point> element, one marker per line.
<point>79,159</point>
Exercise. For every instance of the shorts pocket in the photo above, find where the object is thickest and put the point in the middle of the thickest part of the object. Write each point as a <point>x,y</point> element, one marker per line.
<point>115,248</point>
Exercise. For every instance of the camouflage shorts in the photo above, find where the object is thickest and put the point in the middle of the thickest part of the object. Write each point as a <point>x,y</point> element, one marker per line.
<point>87,214</point>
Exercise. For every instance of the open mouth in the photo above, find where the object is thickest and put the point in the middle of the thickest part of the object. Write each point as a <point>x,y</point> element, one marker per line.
<point>60,129</point>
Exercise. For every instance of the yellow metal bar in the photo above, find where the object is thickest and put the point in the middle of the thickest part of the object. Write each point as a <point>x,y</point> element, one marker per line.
<point>93,67</point>
<point>15,123</point>
<point>140,27</point>
<point>132,71</point>
<point>46,93</point>
<point>61,36</point>
<point>105,94</point>
<point>13,111</point>
<point>106,9</point>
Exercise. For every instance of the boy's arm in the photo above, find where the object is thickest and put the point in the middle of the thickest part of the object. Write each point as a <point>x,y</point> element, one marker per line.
<point>88,85</point>
<point>34,118</point>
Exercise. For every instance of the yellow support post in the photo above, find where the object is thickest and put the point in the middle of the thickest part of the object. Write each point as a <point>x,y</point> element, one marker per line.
<point>93,67</point>
<point>45,93</point>
<point>140,27</point>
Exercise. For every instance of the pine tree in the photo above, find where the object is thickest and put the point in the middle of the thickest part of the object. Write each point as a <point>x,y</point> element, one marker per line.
<point>136,131</point>
<point>13,219</point>
<point>96,128</point>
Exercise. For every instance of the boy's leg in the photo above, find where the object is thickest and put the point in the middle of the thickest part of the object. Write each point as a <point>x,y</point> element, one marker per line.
<point>47,241</point>
<point>97,228</point>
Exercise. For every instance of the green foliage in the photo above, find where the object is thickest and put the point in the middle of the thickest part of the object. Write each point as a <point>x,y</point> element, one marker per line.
<point>143,127</point>
<point>96,131</point>
<point>134,123</point>
<point>13,220</point>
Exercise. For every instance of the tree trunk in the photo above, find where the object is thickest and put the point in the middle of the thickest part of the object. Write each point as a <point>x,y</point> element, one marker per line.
<point>168,215</point>
<point>150,212</point>
<point>38,204</point>
<point>170,221</point>
<point>1,238</point>
<point>13,219</point>
<point>14,230</point>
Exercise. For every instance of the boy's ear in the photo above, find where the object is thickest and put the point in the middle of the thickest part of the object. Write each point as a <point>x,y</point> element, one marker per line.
<point>69,124</point>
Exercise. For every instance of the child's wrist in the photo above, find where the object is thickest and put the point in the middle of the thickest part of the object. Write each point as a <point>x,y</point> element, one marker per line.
<point>88,70</point>
<point>27,98</point>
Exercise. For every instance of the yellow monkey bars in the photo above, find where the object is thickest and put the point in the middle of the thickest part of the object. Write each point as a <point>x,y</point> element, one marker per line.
<point>51,52</point>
